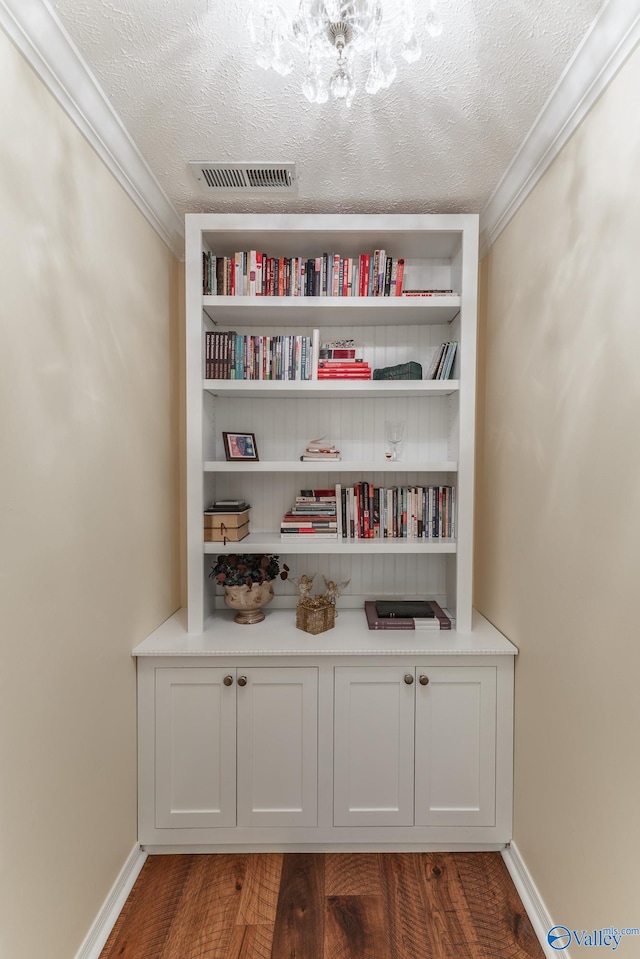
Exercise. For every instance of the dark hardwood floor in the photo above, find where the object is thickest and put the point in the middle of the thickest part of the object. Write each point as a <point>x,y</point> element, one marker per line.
<point>324,906</point>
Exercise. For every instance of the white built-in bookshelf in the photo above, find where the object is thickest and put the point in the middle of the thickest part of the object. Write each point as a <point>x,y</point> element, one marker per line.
<point>440,252</point>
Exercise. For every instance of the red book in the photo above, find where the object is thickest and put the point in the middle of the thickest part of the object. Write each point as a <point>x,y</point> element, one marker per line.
<point>367,268</point>
<point>306,519</point>
<point>344,376</point>
<point>400,277</point>
<point>341,367</point>
<point>336,353</point>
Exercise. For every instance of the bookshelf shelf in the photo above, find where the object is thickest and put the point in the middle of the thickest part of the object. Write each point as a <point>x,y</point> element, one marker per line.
<point>295,311</point>
<point>272,543</point>
<point>339,466</point>
<point>297,389</point>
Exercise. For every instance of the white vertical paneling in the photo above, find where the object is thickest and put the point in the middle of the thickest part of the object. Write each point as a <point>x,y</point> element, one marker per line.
<point>209,429</point>
<point>283,427</point>
<point>371,577</point>
<point>428,275</point>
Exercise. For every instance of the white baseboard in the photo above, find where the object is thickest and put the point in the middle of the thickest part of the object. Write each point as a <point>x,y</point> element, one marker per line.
<point>106,919</point>
<point>532,900</point>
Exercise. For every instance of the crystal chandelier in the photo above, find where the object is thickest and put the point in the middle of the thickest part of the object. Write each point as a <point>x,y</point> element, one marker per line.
<point>342,42</point>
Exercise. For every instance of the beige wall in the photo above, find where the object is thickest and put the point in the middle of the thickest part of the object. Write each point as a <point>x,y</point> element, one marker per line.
<point>88,511</point>
<point>558,555</point>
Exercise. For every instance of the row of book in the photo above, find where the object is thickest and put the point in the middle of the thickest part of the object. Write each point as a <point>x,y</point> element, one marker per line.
<point>253,273</point>
<point>442,365</point>
<point>401,512</point>
<point>365,511</point>
<point>238,356</point>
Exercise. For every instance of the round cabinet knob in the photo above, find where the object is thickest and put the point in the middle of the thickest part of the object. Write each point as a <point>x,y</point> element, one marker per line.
<point>242,680</point>
<point>424,680</point>
<point>408,679</point>
<point>228,680</point>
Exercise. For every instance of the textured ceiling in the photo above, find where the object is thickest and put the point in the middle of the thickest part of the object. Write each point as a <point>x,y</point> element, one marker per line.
<point>182,77</point>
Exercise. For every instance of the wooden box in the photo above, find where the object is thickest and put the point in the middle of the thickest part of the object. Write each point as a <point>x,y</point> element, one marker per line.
<point>225,534</point>
<point>213,519</point>
<point>226,527</point>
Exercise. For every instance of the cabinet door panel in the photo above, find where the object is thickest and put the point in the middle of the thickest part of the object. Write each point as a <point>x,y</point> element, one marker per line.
<point>278,747</point>
<point>455,747</point>
<point>195,748</point>
<point>373,747</point>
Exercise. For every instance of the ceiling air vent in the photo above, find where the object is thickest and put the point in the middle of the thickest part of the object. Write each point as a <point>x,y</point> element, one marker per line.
<point>246,177</point>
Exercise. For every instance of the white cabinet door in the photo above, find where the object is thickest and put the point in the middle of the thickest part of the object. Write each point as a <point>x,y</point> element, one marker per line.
<point>277,746</point>
<point>373,746</point>
<point>195,748</point>
<point>456,746</point>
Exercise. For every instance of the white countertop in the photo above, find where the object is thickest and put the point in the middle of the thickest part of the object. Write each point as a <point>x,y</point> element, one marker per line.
<point>277,636</point>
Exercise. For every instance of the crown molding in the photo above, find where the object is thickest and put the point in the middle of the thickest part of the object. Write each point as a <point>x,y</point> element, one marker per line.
<point>42,40</point>
<point>612,37</point>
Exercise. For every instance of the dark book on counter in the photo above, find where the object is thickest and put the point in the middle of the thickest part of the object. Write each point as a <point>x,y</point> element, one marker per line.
<point>228,506</point>
<point>410,614</point>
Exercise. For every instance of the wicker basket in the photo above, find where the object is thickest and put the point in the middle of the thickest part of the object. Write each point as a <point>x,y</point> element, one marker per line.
<point>315,615</point>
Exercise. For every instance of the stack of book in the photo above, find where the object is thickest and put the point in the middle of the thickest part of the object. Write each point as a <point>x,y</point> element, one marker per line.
<point>343,370</point>
<point>312,514</point>
<point>319,450</point>
<point>442,364</point>
<point>412,614</point>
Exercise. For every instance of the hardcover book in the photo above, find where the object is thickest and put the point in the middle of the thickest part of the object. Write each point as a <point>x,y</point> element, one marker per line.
<point>411,614</point>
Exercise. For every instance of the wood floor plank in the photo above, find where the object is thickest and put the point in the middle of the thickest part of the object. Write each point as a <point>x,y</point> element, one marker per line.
<point>251,942</point>
<point>259,899</point>
<point>143,926</point>
<point>354,928</point>
<point>352,874</point>
<point>405,906</point>
<point>204,922</point>
<point>503,929</point>
<point>299,931</point>
<point>449,927</point>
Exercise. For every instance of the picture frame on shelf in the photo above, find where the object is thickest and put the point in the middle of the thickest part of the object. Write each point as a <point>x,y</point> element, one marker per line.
<point>240,446</point>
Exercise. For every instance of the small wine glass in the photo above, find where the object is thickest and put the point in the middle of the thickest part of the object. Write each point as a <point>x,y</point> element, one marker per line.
<point>394,432</point>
